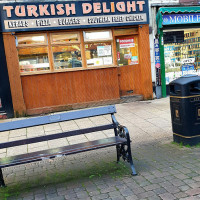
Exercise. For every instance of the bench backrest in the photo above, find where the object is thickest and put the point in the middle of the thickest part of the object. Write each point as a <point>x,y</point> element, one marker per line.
<point>36,121</point>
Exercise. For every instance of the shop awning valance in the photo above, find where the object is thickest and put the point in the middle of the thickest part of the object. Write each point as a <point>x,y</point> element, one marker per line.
<point>171,10</point>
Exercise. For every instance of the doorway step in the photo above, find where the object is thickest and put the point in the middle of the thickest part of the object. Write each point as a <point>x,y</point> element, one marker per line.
<point>131,98</point>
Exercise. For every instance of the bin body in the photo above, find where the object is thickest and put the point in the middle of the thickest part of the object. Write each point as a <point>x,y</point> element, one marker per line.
<point>185,109</point>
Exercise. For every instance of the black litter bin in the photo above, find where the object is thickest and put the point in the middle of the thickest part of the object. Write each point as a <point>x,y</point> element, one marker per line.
<point>185,109</point>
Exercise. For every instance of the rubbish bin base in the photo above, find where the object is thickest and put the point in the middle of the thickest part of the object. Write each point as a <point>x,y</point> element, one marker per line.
<point>186,140</point>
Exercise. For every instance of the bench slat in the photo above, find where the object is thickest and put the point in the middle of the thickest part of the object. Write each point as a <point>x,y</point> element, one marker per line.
<point>55,136</point>
<point>36,121</point>
<point>67,150</point>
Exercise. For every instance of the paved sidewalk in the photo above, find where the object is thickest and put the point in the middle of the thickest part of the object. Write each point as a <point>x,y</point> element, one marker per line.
<point>165,170</point>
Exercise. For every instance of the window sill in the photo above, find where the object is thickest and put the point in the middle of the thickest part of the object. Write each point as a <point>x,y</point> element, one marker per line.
<point>66,70</point>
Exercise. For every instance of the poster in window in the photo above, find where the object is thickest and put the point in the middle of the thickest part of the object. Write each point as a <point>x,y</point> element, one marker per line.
<point>107,50</point>
<point>126,43</point>
<point>127,56</point>
<point>98,61</point>
<point>134,60</point>
<point>107,60</point>
<point>104,50</point>
<point>100,51</point>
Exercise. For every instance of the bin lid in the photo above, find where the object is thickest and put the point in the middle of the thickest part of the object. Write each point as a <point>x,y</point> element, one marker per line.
<point>184,80</point>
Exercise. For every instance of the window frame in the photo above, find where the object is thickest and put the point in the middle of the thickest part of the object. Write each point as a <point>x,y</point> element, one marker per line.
<point>49,44</point>
<point>37,45</point>
<point>111,40</point>
<point>64,44</point>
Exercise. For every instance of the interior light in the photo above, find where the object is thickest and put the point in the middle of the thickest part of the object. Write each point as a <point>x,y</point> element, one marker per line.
<point>38,38</point>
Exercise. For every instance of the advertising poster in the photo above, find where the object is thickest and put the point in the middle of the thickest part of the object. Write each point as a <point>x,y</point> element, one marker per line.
<point>157,62</point>
<point>134,60</point>
<point>107,60</point>
<point>126,43</point>
<point>104,50</point>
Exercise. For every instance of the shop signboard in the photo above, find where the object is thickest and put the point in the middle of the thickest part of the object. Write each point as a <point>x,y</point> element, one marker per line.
<point>30,16</point>
<point>173,19</point>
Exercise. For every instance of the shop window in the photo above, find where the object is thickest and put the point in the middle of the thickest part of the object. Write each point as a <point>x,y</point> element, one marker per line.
<point>33,58</point>
<point>66,50</point>
<point>49,52</point>
<point>184,57</point>
<point>98,48</point>
<point>127,50</point>
<point>67,56</point>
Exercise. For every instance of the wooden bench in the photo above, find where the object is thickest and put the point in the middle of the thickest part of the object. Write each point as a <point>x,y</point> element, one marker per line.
<point>120,138</point>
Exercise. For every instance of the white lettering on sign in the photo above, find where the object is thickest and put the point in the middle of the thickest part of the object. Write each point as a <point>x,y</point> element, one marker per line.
<point>182,19</point>
<point>126,43</point>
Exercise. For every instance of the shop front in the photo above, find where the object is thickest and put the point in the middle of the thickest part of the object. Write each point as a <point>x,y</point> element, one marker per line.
<point>179,32</point>
<point>65,54</point>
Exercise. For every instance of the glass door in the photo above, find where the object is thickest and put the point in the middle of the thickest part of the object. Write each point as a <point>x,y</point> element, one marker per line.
<point>127,50</point>
<point>127,57</point>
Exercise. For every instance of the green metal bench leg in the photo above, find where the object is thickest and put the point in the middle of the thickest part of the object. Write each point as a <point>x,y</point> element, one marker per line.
<point>2,183</point>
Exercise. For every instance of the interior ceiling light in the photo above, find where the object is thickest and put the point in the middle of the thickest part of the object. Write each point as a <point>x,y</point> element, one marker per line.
<point>38,38</point>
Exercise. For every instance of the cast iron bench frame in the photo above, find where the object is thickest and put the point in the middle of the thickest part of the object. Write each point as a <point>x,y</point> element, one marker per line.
<point>121,138</point>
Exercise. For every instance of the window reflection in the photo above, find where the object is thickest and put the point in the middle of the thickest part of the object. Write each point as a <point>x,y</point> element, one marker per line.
<point>65,37</point>
<point>34,39</point>
<point>67,56</point>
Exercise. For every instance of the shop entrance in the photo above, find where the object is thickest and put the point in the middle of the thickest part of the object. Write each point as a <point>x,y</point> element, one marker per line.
<point>127,58</point>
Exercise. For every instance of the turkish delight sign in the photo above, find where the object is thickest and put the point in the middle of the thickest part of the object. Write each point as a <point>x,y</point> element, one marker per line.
<point>27,16</point>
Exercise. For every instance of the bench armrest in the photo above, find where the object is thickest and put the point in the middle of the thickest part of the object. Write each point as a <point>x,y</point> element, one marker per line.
<point>123,132</point>
<point>114,120</point>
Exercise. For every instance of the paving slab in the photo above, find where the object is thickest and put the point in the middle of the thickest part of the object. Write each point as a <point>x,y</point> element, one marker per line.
<point>165,170</point>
